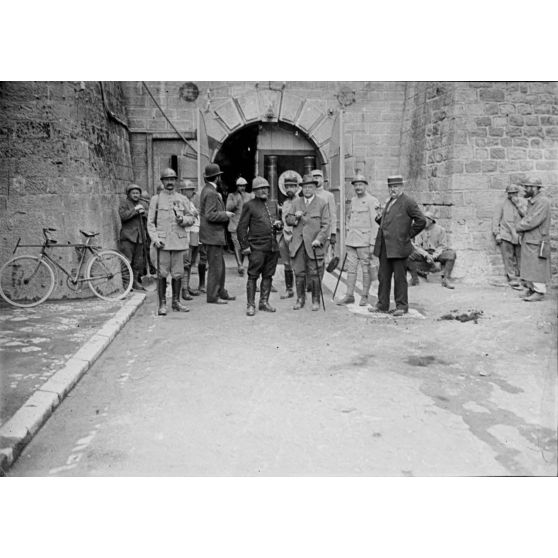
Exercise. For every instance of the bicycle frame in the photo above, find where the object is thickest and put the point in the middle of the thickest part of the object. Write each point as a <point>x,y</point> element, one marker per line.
<point>50,243</point>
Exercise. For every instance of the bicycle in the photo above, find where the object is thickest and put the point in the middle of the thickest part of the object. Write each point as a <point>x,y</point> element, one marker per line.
<point>27,281</point>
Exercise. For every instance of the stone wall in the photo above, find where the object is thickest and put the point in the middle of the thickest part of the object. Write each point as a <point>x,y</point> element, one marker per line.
<point>64,163</point>
<point>463,143</point>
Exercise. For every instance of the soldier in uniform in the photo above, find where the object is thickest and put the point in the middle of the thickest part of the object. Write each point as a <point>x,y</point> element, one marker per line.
<point>188,189</point>
<point>535,242</point>
<point>257,236</point>
<point>309,217</point>
<point>166,222</point>
<point>505,219</point>
<point>235,202</point>
<point>291,190</point>
<point>359,242</point>
<point>329,198</point>
<point>133,212</point>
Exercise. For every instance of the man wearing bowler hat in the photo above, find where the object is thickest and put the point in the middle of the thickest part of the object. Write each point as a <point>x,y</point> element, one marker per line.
<point>400,221</point>
<point>213,221</point>
<point>257,231</point>
<point>309,217</point>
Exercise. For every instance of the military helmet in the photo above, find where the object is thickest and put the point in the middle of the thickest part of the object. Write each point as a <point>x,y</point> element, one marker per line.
<point>532,181</point>
<point>186,185</point>
<point>131,187</point>
<point>512,189</point>
<point>241,181</point>
<point>259,182</point>
<point>359,178</point>
<point>168,173</point>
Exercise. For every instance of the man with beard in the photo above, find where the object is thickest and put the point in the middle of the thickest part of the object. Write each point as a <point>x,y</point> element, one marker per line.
<point>213,222</point>
<point>257,236</point>
<point>166,222</point>
<point>535,242</point>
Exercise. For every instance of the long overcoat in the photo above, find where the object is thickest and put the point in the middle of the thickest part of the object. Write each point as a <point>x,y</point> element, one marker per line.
<point>535,228</point>
<point>398,226</point>
<point>314,224</point>
<point>132,221</point>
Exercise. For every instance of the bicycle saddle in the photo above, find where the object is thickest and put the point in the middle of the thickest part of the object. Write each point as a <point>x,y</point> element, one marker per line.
<point>89,235</point>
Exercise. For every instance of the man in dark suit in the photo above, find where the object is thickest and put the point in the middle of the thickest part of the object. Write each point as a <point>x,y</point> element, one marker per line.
<point>257,231</point>
<point>400,221</point>
<point>213,221</point>
<point>133,216</point>
<point>309,217</point>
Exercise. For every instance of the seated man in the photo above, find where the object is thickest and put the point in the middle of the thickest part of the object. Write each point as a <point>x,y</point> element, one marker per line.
<point>429,247</point>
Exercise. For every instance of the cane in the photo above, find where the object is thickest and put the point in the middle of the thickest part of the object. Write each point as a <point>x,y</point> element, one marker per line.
<point>147,279</point>
<point>340,273</point>
<point>158,277</point>
<point>319,278</point>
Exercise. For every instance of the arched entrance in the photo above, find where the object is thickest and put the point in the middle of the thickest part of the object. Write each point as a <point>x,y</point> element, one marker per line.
<point>266,149</point>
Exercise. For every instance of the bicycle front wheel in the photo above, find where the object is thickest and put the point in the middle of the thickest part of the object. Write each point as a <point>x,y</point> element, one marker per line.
<point>109,275</point>
<point>26,281</point>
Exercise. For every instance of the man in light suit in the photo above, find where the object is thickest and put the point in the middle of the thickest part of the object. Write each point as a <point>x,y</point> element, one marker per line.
<point>400,221</point>
<point>309,217</point>
<point>213,221</point>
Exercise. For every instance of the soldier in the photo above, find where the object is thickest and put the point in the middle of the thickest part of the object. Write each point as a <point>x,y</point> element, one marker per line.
<point>291,190</point>
<point>235,202</point>
<point>401,220</point>
<point>214,220</point>
<point>430,246</point>
<point>329,198</point>
<point>535,242</point>
<point>504,223</point>
<point>166,222</point>
<point>309,217</point>
<point>257,236</point>
<point>133,212</point>
<point>188,189</point>
<point>359,242</point>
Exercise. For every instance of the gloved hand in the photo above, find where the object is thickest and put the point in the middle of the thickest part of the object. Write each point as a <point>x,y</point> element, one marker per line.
<point>316,243</point>
<point>246,251</point>
<point>498,239</point>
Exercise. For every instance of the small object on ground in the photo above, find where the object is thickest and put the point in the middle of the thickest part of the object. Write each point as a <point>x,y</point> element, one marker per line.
<point>470,315</point>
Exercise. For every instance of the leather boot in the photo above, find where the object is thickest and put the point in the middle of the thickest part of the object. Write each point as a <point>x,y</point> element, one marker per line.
<point>136,285</point>
<point>251,296</point>
<point>186,285</point>
<point>412,267</point>
<point>349,297</point>
<point>201,275</point>
<point>366,282</point>
<point>289,277</point>
<point>300,293</point>
<point>176,305</point>
<point>446,284</point>
<point>315,294</point>
<point>264,295</point>
<point>162,290</point>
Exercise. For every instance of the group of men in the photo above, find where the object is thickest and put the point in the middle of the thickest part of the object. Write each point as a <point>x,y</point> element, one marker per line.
<point>395,239</point>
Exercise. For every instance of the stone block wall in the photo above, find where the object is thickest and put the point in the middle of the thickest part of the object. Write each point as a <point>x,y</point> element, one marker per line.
<point>463,143</point>
<point>64,163</point>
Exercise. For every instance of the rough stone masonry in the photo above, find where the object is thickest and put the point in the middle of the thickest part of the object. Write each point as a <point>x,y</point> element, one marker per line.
<point>67,149</point>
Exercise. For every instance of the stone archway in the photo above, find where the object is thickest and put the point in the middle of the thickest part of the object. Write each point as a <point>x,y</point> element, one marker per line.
<point>271,106</point>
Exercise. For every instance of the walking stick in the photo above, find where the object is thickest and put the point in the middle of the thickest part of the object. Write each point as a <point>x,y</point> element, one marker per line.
<point>158,276</point>
<point>340,273</point>
<point>319,278</point>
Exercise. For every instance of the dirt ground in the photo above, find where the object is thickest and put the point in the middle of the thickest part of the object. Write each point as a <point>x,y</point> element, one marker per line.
<point>300,393</point>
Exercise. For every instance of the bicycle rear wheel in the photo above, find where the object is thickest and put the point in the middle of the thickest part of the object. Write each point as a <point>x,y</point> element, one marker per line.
<point>109,275</point>
<point>26,281</point>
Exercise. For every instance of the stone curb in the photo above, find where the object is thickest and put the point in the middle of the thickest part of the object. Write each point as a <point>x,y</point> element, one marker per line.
<point>17,432</point>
